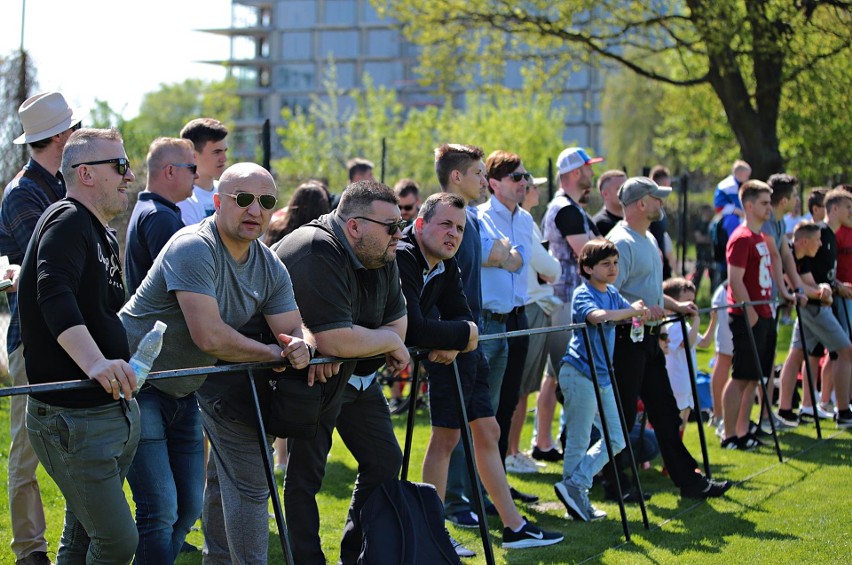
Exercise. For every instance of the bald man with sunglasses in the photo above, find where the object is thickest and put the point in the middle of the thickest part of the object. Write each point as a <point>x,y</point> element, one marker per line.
<point>156,216</point>
<point>209,280</point>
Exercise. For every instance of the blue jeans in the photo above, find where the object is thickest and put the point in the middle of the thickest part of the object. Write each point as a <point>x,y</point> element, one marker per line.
<point>167,474</point>
<point>496,351</point>
<point>87,452</point>
<point>582,462</point>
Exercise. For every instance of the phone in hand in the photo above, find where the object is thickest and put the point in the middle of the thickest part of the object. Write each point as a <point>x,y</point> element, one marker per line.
<point>5,283</point>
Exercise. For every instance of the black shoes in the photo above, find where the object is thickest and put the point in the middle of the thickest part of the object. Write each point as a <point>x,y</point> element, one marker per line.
<point>522,496</point>
<point>706,488</point>
<point>552,455</point>
<point>630,496</point>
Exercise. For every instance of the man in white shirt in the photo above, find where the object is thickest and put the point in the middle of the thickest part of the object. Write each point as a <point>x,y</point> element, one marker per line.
<point>208,137</point>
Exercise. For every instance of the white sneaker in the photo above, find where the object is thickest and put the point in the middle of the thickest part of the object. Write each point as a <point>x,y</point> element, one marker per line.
<point>461,550</point>
<point>809,411</point>
<point>521,464</point>
<point>828,407</point>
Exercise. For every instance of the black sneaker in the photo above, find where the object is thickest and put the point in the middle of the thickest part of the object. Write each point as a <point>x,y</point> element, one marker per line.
<point>706,488</point>
<point>398,406</point>
<point>464,519</point>
<point>552,455</point>
<point>631,496</point>
<point>844,418</point>
<point>522,496</point>
<point>529,536</point>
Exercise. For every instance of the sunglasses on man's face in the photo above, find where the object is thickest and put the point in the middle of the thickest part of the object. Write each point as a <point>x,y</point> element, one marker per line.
<point>406,207</point>
<point>392,227</point>
<point>191,166</point>
<point>122,164</point>
<point>516,177</point>
<point>246,199</point>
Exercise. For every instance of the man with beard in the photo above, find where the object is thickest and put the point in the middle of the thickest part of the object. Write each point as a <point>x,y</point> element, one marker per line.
<point>210,279</point>
<point>567,228</point>
<point>640,367</point>
<point>347,285</point>
<point>70,291</point>
<point>611,213</point>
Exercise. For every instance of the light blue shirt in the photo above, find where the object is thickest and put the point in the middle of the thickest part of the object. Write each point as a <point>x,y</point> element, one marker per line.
<point>502,290</point>
<point>586,300</point>
<point>361,382</point>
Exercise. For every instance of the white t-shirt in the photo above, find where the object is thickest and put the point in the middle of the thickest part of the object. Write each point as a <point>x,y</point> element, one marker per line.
<point>198,206</point>
<point>677,368</point>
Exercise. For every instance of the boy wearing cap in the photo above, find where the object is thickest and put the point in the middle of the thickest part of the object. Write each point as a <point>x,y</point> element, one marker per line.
<point>640,367</point>
<point>48,122</point>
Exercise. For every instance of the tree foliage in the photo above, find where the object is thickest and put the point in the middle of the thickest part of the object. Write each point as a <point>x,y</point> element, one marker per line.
<point>320,141</point>
<point>13,91</point>
<point>164,112</point>
<point>747,51</point>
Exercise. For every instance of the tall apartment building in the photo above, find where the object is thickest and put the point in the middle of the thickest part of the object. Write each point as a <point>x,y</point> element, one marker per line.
<point>280,52</point>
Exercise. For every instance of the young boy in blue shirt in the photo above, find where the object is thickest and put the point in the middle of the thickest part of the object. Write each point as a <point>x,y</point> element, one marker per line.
<point>595,301</point>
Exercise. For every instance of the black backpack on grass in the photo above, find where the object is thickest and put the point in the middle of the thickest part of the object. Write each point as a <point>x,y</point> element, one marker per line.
<point>403,524</point>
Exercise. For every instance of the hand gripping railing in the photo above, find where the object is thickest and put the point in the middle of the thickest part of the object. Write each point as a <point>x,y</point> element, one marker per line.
<point>416,355</point>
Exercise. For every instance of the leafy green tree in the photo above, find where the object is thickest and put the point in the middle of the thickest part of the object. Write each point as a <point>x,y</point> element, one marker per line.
<point>17,83</point>
<point>747,51</point>
<point>321,140</point>
<point>165,111</point>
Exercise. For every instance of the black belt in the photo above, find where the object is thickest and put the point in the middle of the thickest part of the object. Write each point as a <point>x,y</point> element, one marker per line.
<point>501,318</point>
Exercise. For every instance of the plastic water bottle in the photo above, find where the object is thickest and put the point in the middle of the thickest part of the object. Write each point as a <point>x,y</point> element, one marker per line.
<point>637,330</point>
<point>146,353</point>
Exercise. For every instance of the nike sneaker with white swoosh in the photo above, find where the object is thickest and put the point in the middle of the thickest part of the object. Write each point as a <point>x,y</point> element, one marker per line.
<point>529,535</point>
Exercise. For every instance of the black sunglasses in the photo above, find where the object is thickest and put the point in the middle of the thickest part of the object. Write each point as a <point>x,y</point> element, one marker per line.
<point>191,166</point>
<point>122,164</point>
<point>246,199</point>
<point>518,176</point>
<point>406,207</point>
<point>392,227</point>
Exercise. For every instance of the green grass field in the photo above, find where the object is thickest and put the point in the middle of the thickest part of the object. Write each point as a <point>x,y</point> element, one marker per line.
<point>794,512</point>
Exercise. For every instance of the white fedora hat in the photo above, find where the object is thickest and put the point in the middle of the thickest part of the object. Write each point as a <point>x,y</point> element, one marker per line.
<point>45,115</point>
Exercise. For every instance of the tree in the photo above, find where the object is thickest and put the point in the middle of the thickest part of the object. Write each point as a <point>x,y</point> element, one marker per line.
<point>164,112</point>
<point>747,51</point>
<point>17,81</point>
<point>320,140</point>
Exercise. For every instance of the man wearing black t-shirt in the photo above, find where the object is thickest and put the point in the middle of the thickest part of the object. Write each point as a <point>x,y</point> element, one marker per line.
<point>611,213</point>
<point>70,291</point>
<point>566,227</point>
<point>821,325</point>
<point>347,286</point>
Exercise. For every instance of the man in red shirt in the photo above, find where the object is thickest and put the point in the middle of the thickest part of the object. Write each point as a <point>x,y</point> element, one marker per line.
<point>749,279</point>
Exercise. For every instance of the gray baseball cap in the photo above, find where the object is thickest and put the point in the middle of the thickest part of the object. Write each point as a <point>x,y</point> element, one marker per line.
<point>636,188</point>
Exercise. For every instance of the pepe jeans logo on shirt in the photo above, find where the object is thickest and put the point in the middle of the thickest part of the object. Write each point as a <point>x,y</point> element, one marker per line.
<point>111,266</point>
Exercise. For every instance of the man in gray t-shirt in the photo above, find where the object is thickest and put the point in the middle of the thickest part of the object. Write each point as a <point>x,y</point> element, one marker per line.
<point>640,367</point>
<point>207,282</point>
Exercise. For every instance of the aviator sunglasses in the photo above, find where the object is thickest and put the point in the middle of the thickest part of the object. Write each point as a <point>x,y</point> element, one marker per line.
<point>246,199</point>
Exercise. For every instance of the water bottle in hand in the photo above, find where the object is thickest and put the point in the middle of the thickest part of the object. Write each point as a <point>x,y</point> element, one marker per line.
<point>637,330</point>
<point>146,353</point>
